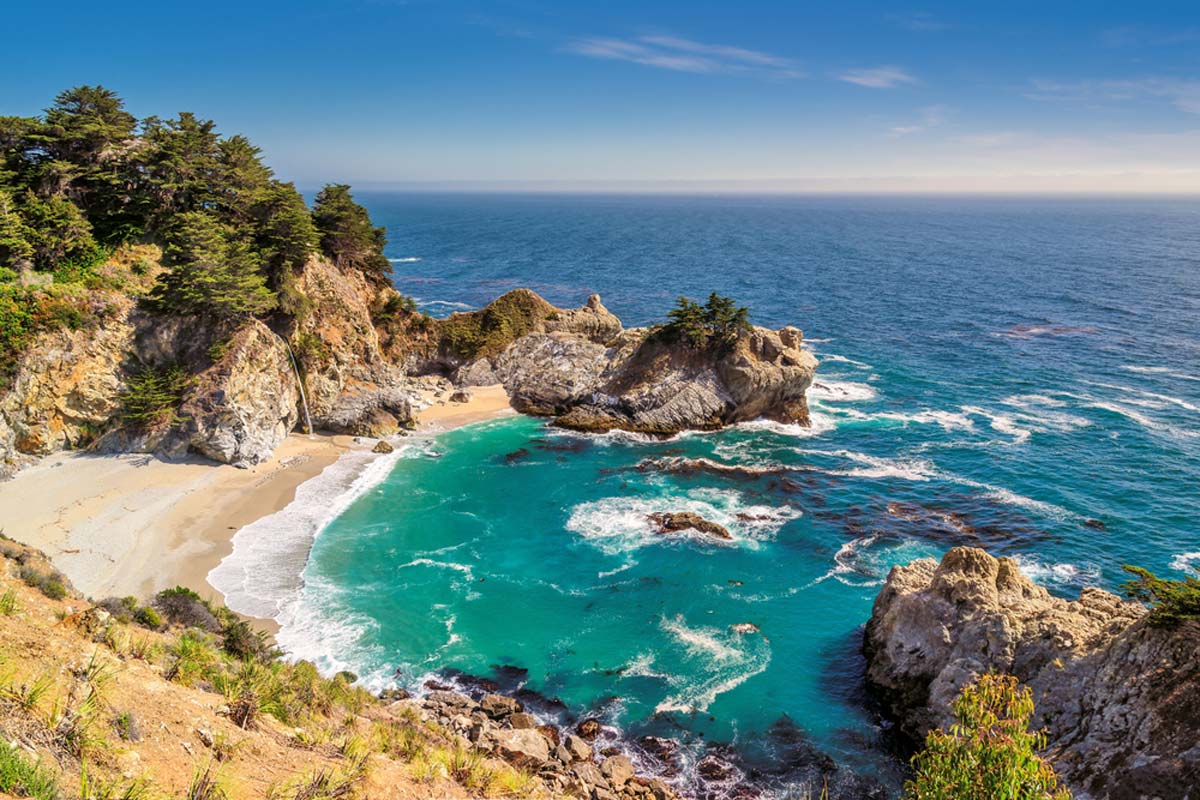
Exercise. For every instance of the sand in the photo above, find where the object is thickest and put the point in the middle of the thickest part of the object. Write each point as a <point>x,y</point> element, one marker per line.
<point>136,524</point>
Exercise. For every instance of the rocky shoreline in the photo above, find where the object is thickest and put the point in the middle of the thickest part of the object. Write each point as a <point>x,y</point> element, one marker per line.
<point>1119,699</point>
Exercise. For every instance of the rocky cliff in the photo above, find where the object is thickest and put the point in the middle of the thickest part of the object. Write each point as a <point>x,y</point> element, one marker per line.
<point>1119,699</point>
<point>584,368</point>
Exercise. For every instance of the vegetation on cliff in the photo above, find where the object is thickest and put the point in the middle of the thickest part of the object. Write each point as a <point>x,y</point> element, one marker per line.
<point>1171,602</point>
<point>989,753</point>
<point>87,179</point>
<point>718,322</point>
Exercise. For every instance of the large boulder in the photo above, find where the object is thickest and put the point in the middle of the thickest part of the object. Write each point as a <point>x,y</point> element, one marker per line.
<point>1119,699</point>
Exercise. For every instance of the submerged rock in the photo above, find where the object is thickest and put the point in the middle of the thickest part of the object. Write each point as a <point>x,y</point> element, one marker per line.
<point>677,521</point>
<point>1119,699</point>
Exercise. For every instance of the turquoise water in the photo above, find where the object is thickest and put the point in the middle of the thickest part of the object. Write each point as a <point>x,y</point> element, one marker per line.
<point>1014,374</point>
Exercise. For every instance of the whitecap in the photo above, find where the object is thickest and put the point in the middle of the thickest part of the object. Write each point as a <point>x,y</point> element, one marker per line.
<point>1186,562</point>
<point>1009,497</point>
<point>1001,423</point>
<point>844,360</point>
<point>947,420</point>
<point>819,423</point>
<point>1062,574</point>
<point>1164,371</point>
<point>405,260</point>
<point>446,304</point>
<point>1145,421</point>
<point>620,524</point>
<point>722,660</point>
<point>841,391</point>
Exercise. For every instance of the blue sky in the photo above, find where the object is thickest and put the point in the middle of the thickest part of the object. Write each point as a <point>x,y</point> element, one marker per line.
<point>693,95</point>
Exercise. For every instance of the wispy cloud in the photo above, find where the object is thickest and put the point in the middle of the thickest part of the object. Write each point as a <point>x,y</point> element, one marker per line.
<point>886,77</point>
<point>921,21</point>
<point>928,117</point>
<point>1141,36</point>
<point>686,55</point>
<point>1182,94</point>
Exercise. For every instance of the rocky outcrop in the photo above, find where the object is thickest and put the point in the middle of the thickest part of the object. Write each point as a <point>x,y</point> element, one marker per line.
<point>498,725</point>
<point>644,381</point>
<point>679,521</point>
<point>351,387</point>
<point>1119,699</point>
<point>67,386</point>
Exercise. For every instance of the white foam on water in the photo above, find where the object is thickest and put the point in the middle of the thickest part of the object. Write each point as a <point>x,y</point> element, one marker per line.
<point>1008,497</point>
<point>1063,573</point>
<point>844,360</point>
<point>621,524</point>
<point>723,659</point>
<point>1164,371</point>
<point>406,260</point>
<point>445,304</point>
<point>842,563</point>
<point>876,466</point>
<point>642,666</point>
<point>1001,423</point>
<point>841,391</point>
<point>1164,399</point>
<point>820,423</point>
<point>1186,562</point>
<point>948,420</point>
<point>1145,421</point>
<point>263,574</point>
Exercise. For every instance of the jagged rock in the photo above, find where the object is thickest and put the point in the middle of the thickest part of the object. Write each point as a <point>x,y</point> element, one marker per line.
<point>676,521</point>
<point>577,748</point>
<point>497,706</point>
<point>641,380</point>
<point>521,720</point>
<point>523,747</point>
<point>617,769</point>
<point>382,447</point>
<point>461,396</point>
<point>1119,699</point>
<point>593,321</point>
<point>477,373</point>
<point>450,699</point>
<point>588,729</point>
<point>238,410</point>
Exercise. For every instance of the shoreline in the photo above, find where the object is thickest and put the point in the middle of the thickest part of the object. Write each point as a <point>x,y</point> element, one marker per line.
<point>134,524</point>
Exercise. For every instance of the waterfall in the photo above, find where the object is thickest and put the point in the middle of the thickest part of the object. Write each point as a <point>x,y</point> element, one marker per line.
<point>303,397</point>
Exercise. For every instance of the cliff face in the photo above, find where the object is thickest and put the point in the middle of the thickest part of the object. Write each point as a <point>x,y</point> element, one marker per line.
<point>1120,700</point>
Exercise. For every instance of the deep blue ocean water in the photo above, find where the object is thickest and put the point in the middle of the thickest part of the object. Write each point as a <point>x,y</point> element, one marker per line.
<point>1021,374</point>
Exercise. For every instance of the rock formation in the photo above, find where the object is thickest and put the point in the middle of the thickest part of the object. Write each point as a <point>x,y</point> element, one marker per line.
<point>1119,699</point>
<point>679,521</point>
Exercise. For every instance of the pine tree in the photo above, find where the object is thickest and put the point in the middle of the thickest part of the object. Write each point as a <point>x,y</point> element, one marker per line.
<point>347,235</point>
<point>214,272</point>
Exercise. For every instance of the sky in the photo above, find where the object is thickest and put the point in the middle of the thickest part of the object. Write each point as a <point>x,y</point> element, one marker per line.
<point>689,96</point>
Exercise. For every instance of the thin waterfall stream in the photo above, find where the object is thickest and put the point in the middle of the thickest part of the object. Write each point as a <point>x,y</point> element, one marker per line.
<point>303,396</point>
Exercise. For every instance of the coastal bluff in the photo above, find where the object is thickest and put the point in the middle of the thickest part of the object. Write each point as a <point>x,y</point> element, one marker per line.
<point>348,355</point>
<point>1119,698</point>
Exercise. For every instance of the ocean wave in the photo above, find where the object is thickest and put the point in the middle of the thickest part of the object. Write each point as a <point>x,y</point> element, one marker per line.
<point>875,466</point>
<point>1145,421</point>
<point>263,574</point>
<point>844,360</point>
<point>1060,574</point>
<point>405,260</point>
<point>1163,399</point>
<point>820,423</point>
<point>617,525</point>
<point>1186,562</point>
<point>947,420</point>
<point>447,304</point>
<point>1166,372</point>
<point>1001,423</point>
<point>1009,497</point>
<point>719,661</point>
<point>841,391</point>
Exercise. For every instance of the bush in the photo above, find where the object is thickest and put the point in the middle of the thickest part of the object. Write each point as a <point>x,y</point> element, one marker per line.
<point>182,606</point>
<point>152,397</point>
<point>989,753</point>
<point>50,584</point>
<point>23,779</point>
<point>1171,602</point>
<point>148,618</point>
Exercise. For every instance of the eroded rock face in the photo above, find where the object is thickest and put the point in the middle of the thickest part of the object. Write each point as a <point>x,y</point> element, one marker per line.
<point>66,388</point>
<point>351,387</point>
<point>641,381</point>
<point>1120,700</point>
<point>238,410</point>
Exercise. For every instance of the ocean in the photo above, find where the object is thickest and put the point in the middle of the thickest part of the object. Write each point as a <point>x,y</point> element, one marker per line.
<point>1019,374</point>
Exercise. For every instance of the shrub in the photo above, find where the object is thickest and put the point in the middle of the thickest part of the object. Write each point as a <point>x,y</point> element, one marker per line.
<point>152,396</point>
<point>148,618</point>
<point>989,753</point>
<point>182,606</point>
<point>1171,602</point>
<point>24,779</point>
<point>8,603</point>
<point>718,321</point>
<point>50,584</point>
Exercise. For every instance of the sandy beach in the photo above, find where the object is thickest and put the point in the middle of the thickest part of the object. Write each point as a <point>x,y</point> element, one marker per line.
<point>135,524</point>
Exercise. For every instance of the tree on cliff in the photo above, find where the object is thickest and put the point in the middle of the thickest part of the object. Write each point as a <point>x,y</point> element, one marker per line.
<point>718,321</point>
<point>1171,602</point>
<point>214,272</point>
<point>989,753</point>
<point>347,235</point>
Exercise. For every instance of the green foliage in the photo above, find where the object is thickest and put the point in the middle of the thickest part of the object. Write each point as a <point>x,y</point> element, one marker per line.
<point>1171,602</point>
<point>8,603</point>
<point>718,322</point>
<point>23,778</point>
<point>346,233</point>
<point>214,272</point>
<point>989,753</point>
<point>152,396</point>
<point>488,331</point>
<point>147,617</point>
<point>395,306</point>
<point>56,229</point>
<point>17,324</point>
<point>50,584</point>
